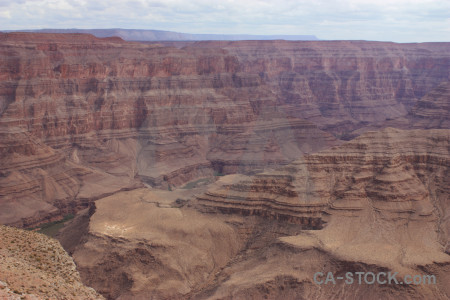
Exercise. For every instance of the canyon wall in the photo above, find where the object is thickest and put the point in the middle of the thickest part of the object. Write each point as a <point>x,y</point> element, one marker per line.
<point>402,175</point>
<point>433,110</point>
<point>383,202</point>
<point>131,112</point>
<point>340,85</point>
<point>84,119</point>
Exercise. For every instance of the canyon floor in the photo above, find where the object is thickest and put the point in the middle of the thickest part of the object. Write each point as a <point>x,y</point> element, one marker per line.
<point>222,170</point>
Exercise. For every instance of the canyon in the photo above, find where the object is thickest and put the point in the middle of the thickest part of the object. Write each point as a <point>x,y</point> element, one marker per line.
<point>378,203</point>
<point>230,169</point>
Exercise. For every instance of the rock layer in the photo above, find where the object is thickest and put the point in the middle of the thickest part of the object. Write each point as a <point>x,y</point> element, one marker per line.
<point>40,184</point>
<point>384,200</point>
<point>163,115</point>
<point>101,112</point>
<point>343,85</point>
<point>399,175</point>
<point>433,110</point>
<point>378,203</point>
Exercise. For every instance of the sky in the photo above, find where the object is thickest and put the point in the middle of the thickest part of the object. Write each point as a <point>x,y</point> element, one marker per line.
<point>380,20</point>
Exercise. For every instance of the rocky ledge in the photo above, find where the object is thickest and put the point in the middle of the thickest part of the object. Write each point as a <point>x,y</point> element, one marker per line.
<point>34,266</point>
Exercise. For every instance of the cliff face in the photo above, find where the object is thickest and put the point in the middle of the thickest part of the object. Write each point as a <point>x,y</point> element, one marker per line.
<point>144,243</point>
<point>433,110</point>
<point>377,203</point>
<point>84,119</point>
<point>164,115</point>
<point>400,174</point>
<point>39,184</point>
<point>343,85</point>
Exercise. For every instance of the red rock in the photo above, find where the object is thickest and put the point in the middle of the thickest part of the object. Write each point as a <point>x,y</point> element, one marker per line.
<point>168,115</point>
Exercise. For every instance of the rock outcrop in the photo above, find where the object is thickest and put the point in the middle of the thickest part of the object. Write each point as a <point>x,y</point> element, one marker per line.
<point>400,174</point>
<point>33,266</point>
<point>40,184</point>
<point>383,200</point>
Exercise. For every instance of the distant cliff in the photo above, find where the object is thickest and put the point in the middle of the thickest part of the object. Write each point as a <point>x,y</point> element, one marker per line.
<point>162,35</point>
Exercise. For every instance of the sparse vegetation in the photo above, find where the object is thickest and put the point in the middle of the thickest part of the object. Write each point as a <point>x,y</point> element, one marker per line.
<point>36,264</point>
<point>52,228</point>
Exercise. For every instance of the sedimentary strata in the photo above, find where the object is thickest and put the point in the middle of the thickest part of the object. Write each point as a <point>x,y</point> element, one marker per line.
<point>383,198</point>
<point>166,115</point>
<point>378,203</point>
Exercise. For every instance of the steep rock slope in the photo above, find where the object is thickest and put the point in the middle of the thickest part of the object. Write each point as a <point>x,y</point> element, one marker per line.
<point>39,184</point>
<point>33,266</point>
<point>391,167</point>
<point>124,111</point>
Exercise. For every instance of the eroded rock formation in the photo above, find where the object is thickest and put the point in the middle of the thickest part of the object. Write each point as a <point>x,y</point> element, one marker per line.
<point>343,85</point>
<point>392,169</point>
<point>378,203</point>
<point>39,184</point>
<point>384,200</point>
<point>127,111</point>
<point>432,111</point>
<point>165,115</point>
